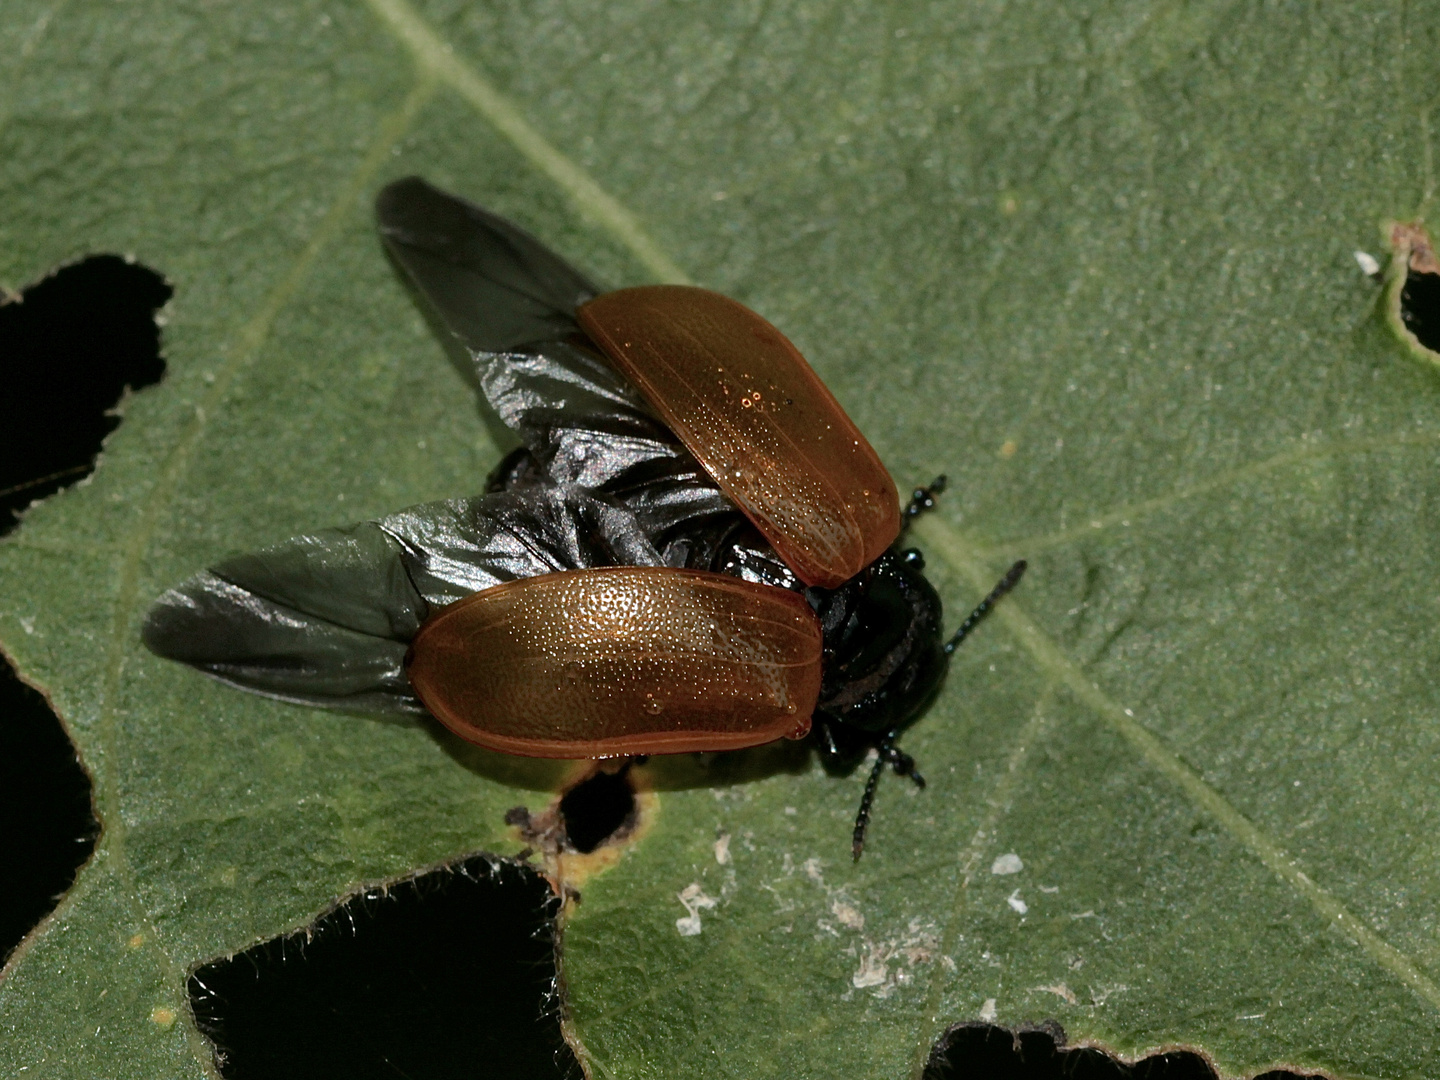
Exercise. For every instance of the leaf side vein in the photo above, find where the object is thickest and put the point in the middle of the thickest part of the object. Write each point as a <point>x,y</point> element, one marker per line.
<point>1144,508</point>
<point>435,57</point>
<point>251,338</point>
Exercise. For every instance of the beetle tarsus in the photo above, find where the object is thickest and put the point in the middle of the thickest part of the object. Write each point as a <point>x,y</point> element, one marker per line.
<point>922,499</point>
<point>901,762</point>
<point>886,753</point>
<point>1008,582</point>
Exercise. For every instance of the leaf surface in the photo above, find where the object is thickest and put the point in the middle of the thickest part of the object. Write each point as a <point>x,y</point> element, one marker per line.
<point>1094,264</point>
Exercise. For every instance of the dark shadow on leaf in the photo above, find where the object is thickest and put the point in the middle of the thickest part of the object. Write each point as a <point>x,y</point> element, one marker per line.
<point>449,973</point>
<point>459,357</point>
<point>532,774</point>
<point>978,1051</point>
<point>668,772</point>
<point>681,772</point>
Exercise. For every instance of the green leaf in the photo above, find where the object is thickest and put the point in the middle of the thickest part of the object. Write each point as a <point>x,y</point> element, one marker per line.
<point>1094,263</point>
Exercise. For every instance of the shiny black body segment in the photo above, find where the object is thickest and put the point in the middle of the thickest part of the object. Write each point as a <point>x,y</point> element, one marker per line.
<point>596,480</point>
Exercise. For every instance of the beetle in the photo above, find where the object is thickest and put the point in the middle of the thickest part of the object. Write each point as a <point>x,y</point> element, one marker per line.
<point>693,547</point>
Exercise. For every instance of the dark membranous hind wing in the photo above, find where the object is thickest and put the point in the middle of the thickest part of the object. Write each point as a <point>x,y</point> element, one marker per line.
<point>509,303</point>
<point>325,618</point>
<point>492,284</point>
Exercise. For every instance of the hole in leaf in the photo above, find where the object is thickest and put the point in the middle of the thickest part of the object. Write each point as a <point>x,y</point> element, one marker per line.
<point>1420,307</point>
<point>1413,297</point>
<point>976,1051</point>
<point>70,345</point>
<point>449,973</point>
<point>597,808</point>
<point>47,825</point>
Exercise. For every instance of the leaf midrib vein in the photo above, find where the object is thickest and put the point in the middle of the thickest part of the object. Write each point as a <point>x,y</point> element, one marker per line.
<point>433,56</point>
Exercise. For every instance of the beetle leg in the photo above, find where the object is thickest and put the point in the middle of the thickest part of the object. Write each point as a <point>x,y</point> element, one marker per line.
<point>828,745</point>
<point>903,764</point>
<point>887,751</point>
<point>922,499</point>
<point>837,754</point>
<point>1008,582</point>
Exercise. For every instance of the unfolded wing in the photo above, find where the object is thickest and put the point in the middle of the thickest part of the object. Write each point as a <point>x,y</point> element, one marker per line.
<point>494,285</point>
<point>326,618</point>
<point>509,303</point>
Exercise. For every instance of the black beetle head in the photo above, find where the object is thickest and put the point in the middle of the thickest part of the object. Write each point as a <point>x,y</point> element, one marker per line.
<point>884,659</point>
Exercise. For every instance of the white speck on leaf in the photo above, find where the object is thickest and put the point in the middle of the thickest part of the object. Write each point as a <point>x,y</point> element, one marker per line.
<point>872,971</point>
<point>695,901</point>
<point>722,849</point>
<point>848,914</point>
<point>28,625</point>
<point>812,870</point>
<point>1370,267</point>
<point>883,965</point>
<point>1007,864</point>
<point>1016,904</point>
<point>988,1011</point>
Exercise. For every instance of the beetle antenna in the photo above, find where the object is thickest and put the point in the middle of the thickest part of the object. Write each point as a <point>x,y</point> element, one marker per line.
<point>1008,582</point>
<point>903,764</point>
<point>921,499</point>
<point>862,819</point>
